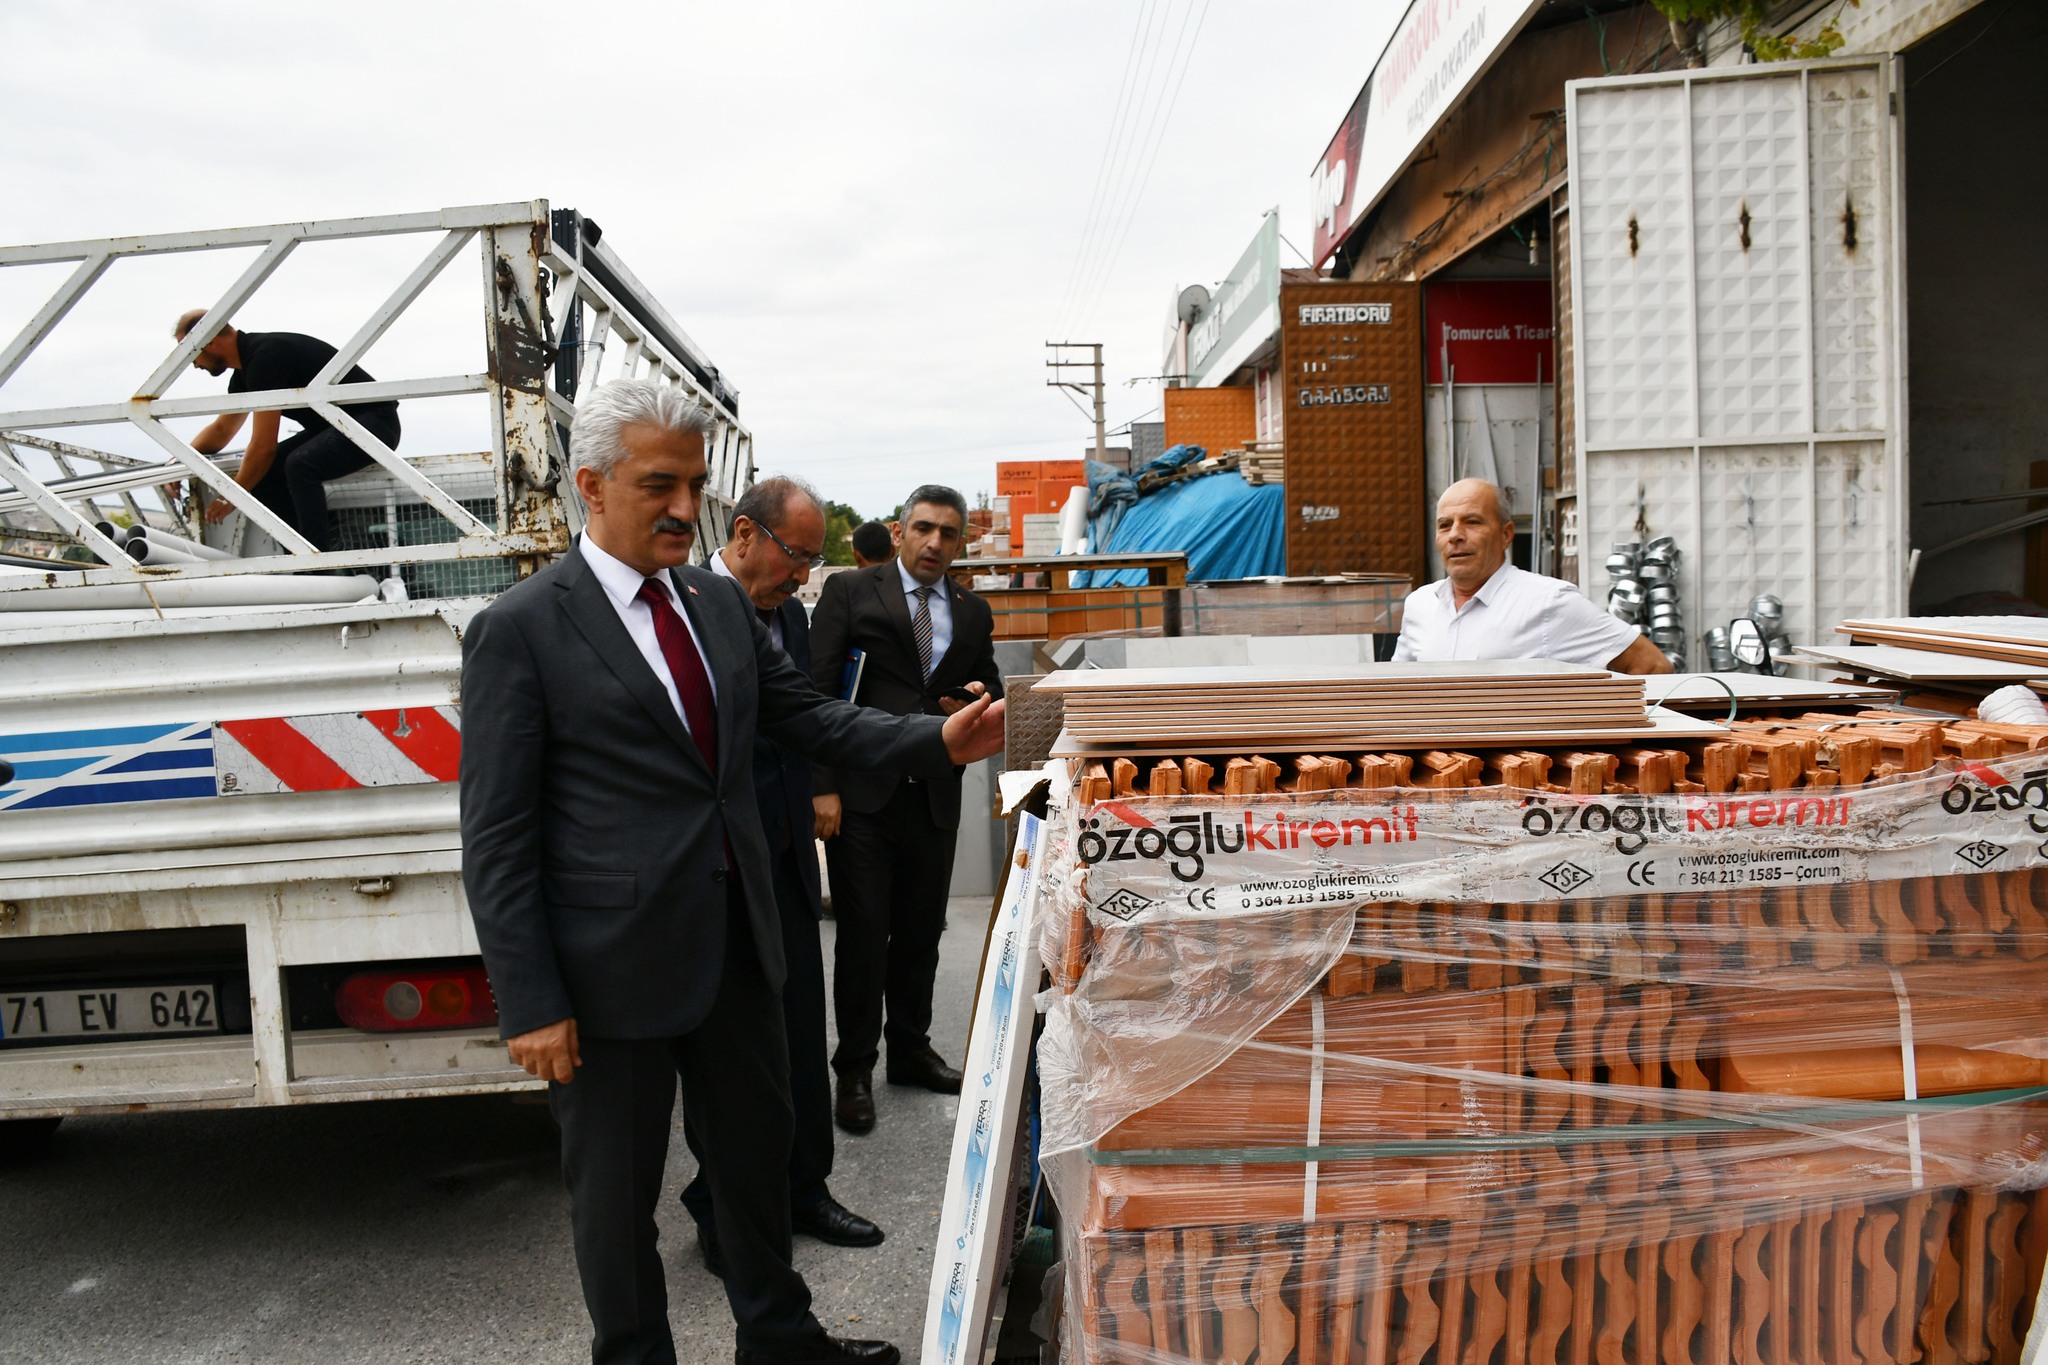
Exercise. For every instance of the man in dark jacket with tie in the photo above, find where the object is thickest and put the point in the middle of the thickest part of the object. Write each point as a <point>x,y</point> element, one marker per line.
<point>615,865</point>
<point>928,647</point>
<point>778,535</point>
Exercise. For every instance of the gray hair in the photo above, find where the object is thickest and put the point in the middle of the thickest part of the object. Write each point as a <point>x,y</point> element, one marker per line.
<point>607,410</point>
<point>767,502</point>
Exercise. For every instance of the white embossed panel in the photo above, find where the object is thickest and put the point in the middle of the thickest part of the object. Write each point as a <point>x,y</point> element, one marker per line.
<point>1847,122</point>
<point>1750,247</point>
<point>1856,539</point>
<point>1634,495</point>
<point>1756,506</point>
<point>1629,206</point>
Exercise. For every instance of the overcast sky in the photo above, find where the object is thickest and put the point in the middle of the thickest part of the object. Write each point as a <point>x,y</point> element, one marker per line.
<point>868,216</point>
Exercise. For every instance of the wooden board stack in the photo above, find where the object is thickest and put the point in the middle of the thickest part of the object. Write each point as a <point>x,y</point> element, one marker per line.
<point>2009,639</point>
<point>1777,1124</point>
<point>1358,705</point>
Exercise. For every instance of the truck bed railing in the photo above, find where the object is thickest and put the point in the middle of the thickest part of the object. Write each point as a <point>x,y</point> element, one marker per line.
<point>553,301</point>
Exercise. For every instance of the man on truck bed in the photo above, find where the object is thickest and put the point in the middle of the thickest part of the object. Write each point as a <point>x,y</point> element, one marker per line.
<point>290,476</point>
<point>1486,608</point>
<point>619,877</point>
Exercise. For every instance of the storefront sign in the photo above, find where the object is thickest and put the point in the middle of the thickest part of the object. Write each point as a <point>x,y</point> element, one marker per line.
<point>1496,331</point>
<point>1439,50</point>
<point>1243,314</point>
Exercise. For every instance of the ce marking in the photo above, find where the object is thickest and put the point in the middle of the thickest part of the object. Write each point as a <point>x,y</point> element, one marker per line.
<point>1202,898</point>
<point>1642,873</point>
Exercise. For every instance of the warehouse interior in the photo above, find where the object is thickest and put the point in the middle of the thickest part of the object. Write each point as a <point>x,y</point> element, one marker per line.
<point>1976,275</point>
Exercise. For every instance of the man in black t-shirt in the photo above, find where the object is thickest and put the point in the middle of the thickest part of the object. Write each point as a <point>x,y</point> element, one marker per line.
<point>289,476</point>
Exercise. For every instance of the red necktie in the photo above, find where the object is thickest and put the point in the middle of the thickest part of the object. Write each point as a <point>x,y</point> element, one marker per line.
<point>686,668</point>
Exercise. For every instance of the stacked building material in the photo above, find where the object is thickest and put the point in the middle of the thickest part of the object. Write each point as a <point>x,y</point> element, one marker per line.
<point>1733,1050</point>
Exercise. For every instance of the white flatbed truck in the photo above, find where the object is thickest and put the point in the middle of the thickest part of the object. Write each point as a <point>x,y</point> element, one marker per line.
<point>229,848</point>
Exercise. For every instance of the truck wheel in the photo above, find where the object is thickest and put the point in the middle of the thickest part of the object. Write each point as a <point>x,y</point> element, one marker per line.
<point>21,1139</point>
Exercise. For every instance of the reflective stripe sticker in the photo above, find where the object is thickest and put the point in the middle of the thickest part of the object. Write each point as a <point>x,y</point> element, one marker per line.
<point>107,766</point>
<point>407,747</point>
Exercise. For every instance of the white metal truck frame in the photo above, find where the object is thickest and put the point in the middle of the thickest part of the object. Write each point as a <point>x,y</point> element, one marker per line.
<point>268,793</point>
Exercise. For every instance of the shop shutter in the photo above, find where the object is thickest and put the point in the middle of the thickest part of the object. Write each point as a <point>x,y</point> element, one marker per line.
<point>1738,337</point>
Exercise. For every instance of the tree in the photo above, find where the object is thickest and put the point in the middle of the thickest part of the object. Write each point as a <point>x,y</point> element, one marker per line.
<point>1689,20</point>
<point>840,521</point>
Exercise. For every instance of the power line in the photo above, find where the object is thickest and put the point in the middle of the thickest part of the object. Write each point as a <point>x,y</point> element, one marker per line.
<point>1102,166</point>
<point>1164,122</point>
<point>1123,147</point>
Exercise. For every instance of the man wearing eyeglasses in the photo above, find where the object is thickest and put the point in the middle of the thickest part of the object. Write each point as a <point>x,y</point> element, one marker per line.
<point>778,529</point>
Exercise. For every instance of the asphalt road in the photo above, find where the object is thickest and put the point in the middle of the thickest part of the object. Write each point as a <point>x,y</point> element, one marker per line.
<point>417,1230</point>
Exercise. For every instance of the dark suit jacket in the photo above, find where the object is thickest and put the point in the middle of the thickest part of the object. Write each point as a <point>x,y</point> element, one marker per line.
<point>782,780</point>
<point>866,609</point>
<point>593,848</point>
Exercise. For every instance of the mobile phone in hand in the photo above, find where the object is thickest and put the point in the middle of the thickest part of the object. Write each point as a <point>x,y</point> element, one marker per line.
<point>959,694</point>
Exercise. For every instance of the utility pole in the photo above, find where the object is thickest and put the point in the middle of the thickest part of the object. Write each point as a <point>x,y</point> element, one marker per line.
<point>1059,363</point>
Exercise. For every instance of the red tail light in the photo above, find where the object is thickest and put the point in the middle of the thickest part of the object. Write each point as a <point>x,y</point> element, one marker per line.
<point>411,1001</point>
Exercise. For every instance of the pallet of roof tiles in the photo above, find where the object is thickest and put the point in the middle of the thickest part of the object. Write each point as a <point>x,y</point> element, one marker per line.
<point>1789,1110</point>
<point>1943,1276</point>
<point>1571,1172</point>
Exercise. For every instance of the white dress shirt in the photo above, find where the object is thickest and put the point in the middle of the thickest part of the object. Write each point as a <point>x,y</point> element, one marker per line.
<point>621,584</point>
<point>1514,615</point>
<point>941,610</point>
<point>774,622</point>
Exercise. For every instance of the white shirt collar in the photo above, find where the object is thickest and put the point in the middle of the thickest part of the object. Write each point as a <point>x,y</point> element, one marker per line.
<point>910,583</point>
<point>723,569</point>
<point>621,581</point>
<point>1488,590</point>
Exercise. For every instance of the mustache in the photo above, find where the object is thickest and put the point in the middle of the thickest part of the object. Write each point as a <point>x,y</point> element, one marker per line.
<point>671,524</point>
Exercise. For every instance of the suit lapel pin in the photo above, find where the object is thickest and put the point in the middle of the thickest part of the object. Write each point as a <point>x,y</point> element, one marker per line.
<point>693,591</point>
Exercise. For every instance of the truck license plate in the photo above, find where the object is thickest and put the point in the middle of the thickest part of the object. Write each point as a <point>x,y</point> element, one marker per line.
<point>117,1011</point>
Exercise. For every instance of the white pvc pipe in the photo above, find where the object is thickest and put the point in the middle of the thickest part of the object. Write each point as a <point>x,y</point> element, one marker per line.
<point>1074,521</point>
<point>181,544</point>
<point>235,590</point>
<point>143,550</point>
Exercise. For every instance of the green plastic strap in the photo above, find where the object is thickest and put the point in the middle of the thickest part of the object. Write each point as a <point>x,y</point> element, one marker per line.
<point>1879,1110</point>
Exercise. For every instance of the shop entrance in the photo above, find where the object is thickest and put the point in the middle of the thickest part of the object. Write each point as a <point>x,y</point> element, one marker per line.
<point>1976,133</point>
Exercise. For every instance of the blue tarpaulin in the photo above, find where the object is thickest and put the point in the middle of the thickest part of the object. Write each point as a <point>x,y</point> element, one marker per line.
<point>1226,527</point>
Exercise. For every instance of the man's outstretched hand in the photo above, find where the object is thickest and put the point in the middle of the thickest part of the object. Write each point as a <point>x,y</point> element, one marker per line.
<point>975,730</point>
<point>550,1053</point>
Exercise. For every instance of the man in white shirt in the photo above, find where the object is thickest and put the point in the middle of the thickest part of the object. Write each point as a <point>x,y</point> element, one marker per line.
<point>1486,608</point>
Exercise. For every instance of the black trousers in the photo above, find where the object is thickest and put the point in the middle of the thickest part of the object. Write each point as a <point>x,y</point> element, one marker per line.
<point>803,1021</point>
<point>615,1119</point>
<point>295,485</point>
<point>890,874</point>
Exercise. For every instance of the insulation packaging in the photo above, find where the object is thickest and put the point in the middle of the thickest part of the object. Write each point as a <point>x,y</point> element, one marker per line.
<point>1420,1071</point>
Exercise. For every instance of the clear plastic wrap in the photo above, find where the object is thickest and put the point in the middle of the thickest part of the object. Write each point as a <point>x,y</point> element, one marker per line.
<point>1509,1076</point>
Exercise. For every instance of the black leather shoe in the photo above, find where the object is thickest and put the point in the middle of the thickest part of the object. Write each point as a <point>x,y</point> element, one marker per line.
<point>855,1110</point>
<point>833,1223</point>
<point>926,1070</point>
<point>827,1351</point>
<point>714,1256</point>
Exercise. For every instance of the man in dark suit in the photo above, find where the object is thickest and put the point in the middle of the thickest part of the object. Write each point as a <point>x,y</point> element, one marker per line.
<point>619,878</point>
<point>929,651</point>
<point>778,531</point>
